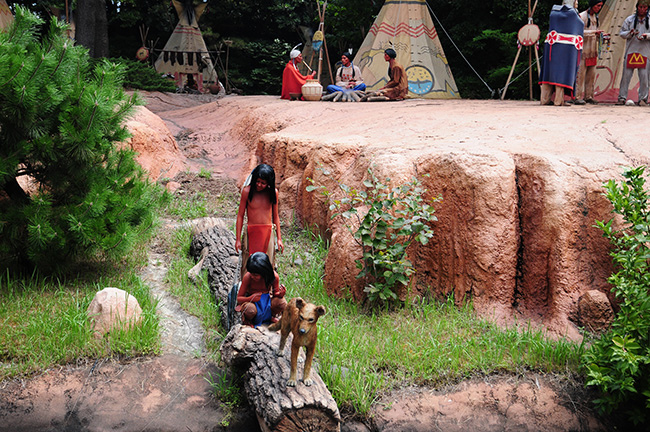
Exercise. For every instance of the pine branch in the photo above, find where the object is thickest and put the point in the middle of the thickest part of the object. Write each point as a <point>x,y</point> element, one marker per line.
<point>22,65</point>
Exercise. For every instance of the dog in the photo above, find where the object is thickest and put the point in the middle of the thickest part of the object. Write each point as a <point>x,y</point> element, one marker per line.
<point>300,319</point>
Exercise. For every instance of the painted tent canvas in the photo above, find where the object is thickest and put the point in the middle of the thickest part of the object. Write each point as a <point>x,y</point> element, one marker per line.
<point>185,52</point>
<point>611,62</point>
<point>407,27</point>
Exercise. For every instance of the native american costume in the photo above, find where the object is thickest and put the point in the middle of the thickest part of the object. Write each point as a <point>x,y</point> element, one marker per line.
<point>587,71</point>
<point>292,80</point>
<point>344,75</point>
<point>637,52</point>
<point>398,86</point>
<point>562,49</point>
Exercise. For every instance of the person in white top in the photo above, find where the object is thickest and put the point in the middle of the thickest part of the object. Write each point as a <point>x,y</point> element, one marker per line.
<point>636,31</point>
<point>348,76</point>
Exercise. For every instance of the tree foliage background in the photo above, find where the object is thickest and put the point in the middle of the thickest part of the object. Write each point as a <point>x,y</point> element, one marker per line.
<point>67,189</point>
<point>479,38</point>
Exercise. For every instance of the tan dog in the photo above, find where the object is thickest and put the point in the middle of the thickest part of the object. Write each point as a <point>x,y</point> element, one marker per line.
<point>300,319</point>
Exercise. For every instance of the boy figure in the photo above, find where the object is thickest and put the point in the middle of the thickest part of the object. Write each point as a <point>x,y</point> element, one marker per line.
<point>348,76</point>
<point>636,30</point>
<point>397,87</point>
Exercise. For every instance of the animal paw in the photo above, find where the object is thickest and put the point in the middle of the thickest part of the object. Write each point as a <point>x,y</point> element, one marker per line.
<point>291,383</point>
<point>280,353</point>
<point>308,382</point>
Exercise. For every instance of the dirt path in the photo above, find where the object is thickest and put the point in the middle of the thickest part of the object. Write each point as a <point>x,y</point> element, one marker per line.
<point>170,392</point>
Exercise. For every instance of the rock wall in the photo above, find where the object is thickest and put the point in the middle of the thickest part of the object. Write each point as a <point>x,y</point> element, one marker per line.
<point>521,186</point>
<point>515,231</point>
<point>156,148</point>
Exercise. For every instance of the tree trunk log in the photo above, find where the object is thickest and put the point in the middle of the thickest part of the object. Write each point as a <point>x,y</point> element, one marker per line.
<point>221,261</point>
<point>279,408</point>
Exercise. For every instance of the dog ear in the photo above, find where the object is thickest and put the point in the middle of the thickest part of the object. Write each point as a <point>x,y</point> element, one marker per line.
<point>299,302</point>
<point>320,310</point>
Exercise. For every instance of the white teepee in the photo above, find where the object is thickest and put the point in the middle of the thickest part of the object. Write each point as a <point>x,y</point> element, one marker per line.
<point>611,62</point>
<point>185,51</point>
<point>6,17</point>
<point>407,27</point>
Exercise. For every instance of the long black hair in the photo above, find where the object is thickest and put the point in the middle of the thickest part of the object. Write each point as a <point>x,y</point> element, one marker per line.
<point>259,263</point>
<point>264,172</point>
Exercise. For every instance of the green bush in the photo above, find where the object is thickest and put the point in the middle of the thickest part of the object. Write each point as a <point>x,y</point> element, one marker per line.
<point>142,76</point>
<point>60,122</point>
<point>395,217</point>
<point>618,362</point>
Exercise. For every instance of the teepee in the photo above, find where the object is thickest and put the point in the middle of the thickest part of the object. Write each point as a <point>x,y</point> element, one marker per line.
<point>407,27</point>
<point>611,62</point>
<point>185,51</point>
<point>6,17</point>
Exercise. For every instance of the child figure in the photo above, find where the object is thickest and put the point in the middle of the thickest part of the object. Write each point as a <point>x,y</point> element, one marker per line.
<point>259,201</point>
<point>261,297</point>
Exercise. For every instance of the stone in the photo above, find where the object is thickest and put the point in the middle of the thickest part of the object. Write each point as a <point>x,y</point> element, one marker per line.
<point>595,312</point>
<point>172,186</point>
<point>113,308</point>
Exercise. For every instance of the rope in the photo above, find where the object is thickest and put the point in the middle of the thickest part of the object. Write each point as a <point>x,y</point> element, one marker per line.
<point>492,91</point>
<point>519,76</point>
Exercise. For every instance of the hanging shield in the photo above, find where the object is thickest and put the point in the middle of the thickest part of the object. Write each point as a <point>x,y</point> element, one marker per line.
<point>317,40</point>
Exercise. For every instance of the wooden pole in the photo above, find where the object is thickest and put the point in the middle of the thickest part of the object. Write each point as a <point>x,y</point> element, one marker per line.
<point>530,54</point>
<point>530,73</point>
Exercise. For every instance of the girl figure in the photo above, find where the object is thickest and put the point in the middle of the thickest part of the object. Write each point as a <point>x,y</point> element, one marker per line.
<point>259,202</point>
<point>261,297</point>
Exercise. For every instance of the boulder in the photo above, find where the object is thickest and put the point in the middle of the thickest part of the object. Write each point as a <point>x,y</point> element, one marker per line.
<point>595,312</point>
<point>113,308</point>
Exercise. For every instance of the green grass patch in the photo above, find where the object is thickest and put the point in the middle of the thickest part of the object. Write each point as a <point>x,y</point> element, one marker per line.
<point>363,354</point>
<point>43,322</point>
<point>191,206</point>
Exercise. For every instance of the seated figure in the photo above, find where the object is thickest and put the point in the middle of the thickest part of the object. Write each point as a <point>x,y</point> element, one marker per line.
<point>348,76</point>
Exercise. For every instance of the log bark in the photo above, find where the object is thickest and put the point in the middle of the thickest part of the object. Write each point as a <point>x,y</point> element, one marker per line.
<point>278,408</point>
<point>221,261</point>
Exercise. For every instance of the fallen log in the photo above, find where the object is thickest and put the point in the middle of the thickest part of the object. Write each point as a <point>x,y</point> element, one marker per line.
<point>254,351</point>
<point>278,407</point>
<point>221,261</point>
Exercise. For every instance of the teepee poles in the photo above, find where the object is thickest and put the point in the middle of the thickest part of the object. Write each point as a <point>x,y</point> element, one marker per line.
<point>528,36</point>
<point>321,27</point>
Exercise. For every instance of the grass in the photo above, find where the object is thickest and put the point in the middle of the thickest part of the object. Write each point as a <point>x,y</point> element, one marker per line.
<point>363,354</point>
<point>195,298</point>
<point>43,322</point>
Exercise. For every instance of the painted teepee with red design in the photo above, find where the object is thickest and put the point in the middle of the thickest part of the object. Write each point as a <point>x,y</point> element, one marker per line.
<point>611,58</point>
<point>407,27</point>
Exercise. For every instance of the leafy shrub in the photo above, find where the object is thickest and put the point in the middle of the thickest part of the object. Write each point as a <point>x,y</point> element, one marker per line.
<point>618,362</point>
<point>395,217</point>
<point>60,120</point>
<point>141,76</point>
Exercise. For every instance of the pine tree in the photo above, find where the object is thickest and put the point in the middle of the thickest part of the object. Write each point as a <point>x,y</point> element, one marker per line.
<point>60,122</point>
